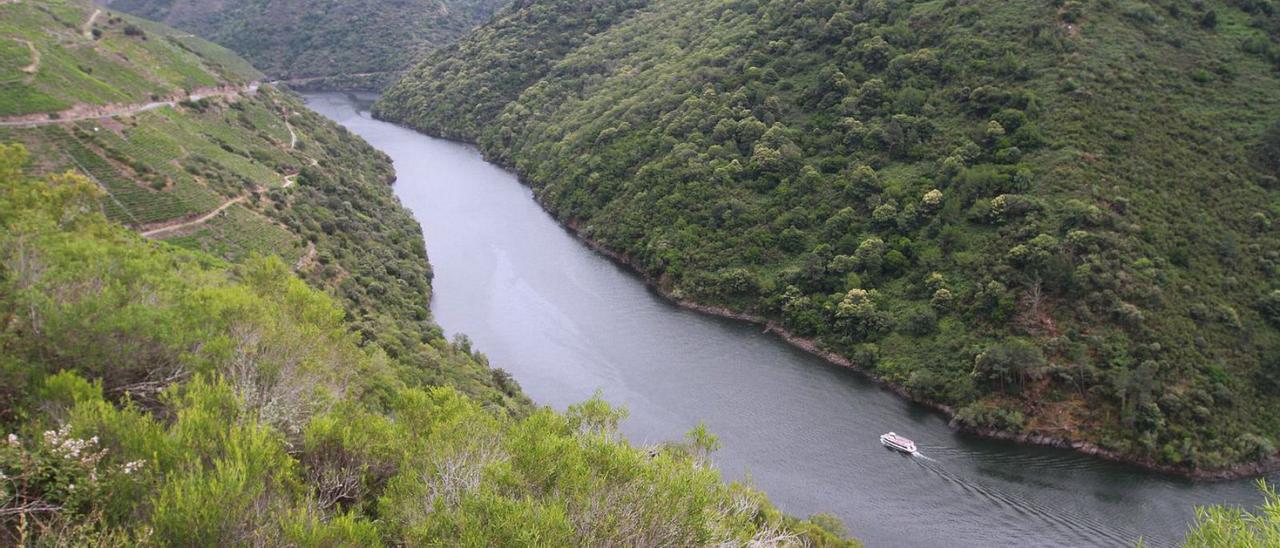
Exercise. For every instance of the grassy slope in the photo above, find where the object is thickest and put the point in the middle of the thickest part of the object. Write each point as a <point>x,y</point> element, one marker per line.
<point>111,67</point>
<point>1097,259</point>
<point>329,42</point>
<point>174,164</point>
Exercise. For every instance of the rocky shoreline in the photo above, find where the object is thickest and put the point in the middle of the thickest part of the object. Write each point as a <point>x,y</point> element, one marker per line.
<point>1239,471</point>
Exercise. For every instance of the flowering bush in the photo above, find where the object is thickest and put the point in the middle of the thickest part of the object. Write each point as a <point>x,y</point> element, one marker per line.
<point>53,480</point>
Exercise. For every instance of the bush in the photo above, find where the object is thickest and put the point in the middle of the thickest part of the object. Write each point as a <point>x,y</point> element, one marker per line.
<point>1232,526</point>
<point>1269,151</point>
<point>1269,306</point>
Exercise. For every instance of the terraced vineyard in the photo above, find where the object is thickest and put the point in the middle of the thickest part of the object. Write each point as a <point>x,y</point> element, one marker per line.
<point>127,201</point>
<point>111,58</point>
<point>239,232</point>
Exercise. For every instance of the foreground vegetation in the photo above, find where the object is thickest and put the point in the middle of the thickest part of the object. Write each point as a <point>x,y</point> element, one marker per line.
<point>152,394</point>
<point>1217,526</point>
<point>323,44</point>
<point>1055,218</point>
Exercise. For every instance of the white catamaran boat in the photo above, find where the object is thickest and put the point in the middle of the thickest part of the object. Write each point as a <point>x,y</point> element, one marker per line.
<point>894,441</point>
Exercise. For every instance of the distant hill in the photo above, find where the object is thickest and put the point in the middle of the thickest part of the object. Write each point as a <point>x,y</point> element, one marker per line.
<point>330,44</point>
<point>1056,219</point>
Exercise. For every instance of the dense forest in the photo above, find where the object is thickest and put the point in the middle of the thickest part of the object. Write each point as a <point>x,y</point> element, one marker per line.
<point>1051,217</point>
<point>323,44</point>
<point>154,395</point>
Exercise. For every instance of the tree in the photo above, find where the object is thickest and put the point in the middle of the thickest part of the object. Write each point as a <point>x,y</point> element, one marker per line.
<point>1014,359</point>
<point>1269,307</point>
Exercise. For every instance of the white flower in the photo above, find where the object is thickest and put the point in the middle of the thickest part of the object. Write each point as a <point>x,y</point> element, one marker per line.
<point>13,441</point>
<point>133,466</point>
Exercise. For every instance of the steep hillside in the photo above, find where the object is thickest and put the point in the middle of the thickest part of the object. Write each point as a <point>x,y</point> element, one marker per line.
<point>323,44</point>
<point>154,395</point>
<point>58,55</point>
<point>234,170</point>
<point>1053,219</point>
<point>273,378</point>
<point>468,84</point>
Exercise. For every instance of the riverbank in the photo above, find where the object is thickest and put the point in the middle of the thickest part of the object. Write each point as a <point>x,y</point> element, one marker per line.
<point>1243,470</point>
<point>811,346</point>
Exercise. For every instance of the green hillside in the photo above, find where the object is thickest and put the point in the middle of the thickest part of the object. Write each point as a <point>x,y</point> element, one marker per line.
<point>1055,218</point>
<point>323,44</point>
<point>215,330</point>
<point>157,396</point>
<point>55,55</point>
<point>243,171</point>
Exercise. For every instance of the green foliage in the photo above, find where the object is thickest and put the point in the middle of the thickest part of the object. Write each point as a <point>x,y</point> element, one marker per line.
<point>303,189</point>
<point>169,397</point>
<point>348,44</point>
<point>117,59</point>
<point>1091,179</point>
<point>471,79</point>
<point>1269,151</point>
<point>1231,526</point>
<point>1011,361</point>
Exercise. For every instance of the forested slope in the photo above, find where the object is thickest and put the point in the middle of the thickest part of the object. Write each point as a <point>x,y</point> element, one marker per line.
<point>323,44</point>
<point>214,330</point>
<point>154,395</point>
<point>1055,218</point>
<point>241,171</point>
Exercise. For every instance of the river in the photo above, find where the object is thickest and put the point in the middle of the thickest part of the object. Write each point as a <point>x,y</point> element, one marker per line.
<point>567,322</point>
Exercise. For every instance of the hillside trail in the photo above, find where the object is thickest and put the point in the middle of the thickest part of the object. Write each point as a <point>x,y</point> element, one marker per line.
<point>83,111</point>
<point>87,29</point>
<point>35,60</point>
<point>290,180</point>
<point>293,137</point>
<point>166,228</point>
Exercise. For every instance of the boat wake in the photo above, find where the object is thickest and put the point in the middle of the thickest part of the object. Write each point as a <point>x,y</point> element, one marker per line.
<point>924,456</point>
<point>1082,529</point>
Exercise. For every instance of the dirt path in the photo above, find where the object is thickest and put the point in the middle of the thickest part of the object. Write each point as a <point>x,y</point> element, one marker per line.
<point>307,259</point>
<point>87,29</point>
<point>93,112</point>
<point>35,58</point>
<point>293,137</point>
<point>158,231</point>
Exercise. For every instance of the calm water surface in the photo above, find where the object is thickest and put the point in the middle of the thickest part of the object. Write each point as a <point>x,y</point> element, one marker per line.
<point>567,322</point>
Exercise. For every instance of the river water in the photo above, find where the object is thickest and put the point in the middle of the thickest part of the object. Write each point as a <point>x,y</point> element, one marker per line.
<point>566,322</point>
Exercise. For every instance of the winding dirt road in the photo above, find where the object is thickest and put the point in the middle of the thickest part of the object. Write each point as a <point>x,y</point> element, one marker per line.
<point>160,231</point>
<point>94,112</point>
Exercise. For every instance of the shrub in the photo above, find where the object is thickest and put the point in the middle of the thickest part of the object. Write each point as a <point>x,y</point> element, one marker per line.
<point>1269,306</point>
<point>1269,151</point>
